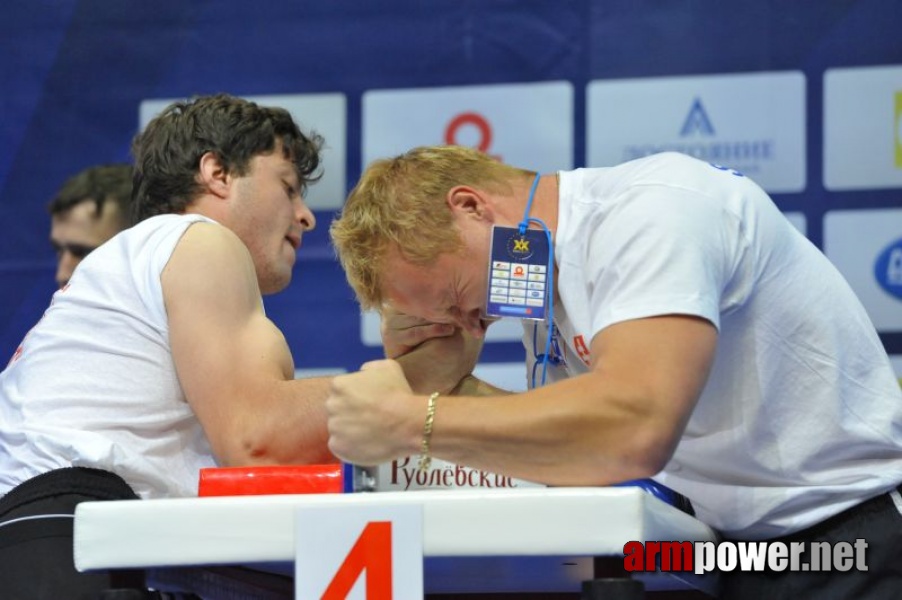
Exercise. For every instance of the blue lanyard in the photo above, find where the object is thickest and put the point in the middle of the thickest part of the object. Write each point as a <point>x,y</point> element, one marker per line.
<point>550,341</point>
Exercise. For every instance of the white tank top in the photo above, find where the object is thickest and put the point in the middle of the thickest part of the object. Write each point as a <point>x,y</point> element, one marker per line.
<point>93,383</point>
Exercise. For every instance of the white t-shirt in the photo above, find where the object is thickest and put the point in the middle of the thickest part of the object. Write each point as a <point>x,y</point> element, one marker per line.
<point>93,383</point>
<point>801,416</point>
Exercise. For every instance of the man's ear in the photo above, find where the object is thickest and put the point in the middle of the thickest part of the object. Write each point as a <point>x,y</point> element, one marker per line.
<point>470,202</point>
<point>213,175</point>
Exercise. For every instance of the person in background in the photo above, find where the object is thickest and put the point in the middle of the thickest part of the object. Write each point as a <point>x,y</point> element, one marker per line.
<point>156,359</point>
<point>691,335</point>
<point>90,208</point>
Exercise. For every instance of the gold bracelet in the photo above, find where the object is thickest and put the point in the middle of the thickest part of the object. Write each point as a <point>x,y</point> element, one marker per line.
<point>425,458</point>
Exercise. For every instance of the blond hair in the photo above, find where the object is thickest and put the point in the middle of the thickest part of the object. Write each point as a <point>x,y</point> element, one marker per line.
<point>401,202</point>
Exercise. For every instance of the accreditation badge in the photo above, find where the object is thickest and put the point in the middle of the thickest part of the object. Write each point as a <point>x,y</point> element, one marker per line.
<point>518,274</point>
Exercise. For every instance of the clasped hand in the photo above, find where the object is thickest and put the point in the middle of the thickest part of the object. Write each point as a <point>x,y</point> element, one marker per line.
<point>401,333</point>
<point>435,357</point>
<point>373,415</point>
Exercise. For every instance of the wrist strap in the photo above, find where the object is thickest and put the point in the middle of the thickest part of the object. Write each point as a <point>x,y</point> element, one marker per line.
<point>425,457</point>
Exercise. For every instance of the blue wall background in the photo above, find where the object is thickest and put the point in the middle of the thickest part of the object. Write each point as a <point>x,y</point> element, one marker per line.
<point>73,72</point>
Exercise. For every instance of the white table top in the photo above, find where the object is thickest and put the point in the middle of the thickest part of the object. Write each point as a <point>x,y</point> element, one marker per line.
<point>538,522</point>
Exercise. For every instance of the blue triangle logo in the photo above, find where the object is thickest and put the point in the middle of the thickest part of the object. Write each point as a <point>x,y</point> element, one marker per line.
<point>697,121</point>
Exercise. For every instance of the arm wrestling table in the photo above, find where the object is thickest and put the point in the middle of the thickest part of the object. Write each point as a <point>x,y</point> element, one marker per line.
<point>494,541</point>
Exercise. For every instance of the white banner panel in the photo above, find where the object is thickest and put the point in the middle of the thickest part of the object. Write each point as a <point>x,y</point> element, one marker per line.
<point>866,246</point>
<point>510,376</point>
<point>326,114</point>
<point>528,125</point>
<point>754,123</point>
<point>863,128</point>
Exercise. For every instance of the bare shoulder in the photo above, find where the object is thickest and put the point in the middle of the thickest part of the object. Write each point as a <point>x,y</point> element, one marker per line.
<point>210,259</point>
<point>209,242</point>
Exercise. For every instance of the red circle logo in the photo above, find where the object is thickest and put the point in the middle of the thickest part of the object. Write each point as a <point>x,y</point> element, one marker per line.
<point>474,119</point>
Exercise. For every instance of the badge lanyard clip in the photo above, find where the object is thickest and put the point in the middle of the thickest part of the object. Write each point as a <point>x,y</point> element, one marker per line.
<point>521,274</point>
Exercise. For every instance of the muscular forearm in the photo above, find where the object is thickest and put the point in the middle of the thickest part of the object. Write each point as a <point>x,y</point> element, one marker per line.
<point>565,434</point>
<point>620,421</point>
<point>288,429</point>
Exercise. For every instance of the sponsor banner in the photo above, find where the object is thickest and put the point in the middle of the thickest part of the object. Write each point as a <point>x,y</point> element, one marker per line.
<point>754,123</point>
<point>863,128</point>
<point>527,125</point>
<point>403,474</point>
<point>866,246</point>
<point>326,114</point>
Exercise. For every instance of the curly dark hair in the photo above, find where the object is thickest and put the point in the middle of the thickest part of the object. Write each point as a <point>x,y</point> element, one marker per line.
<point>167,152</point>
<point>98,184</point>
